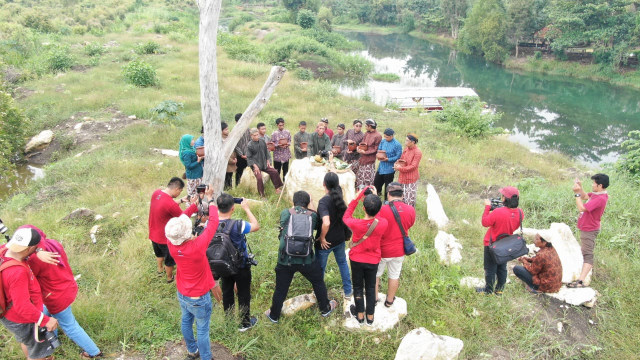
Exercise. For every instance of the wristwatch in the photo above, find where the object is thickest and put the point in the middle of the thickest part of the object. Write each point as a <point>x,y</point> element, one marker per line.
<point>577,195</point>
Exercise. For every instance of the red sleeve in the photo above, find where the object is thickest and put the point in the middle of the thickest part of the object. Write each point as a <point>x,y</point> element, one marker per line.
<point>347,218</point>
<point>190,210</point>
<point>202,241</point>
<point>17,283</point>
<point>593,203</point>
<point>487,219</point>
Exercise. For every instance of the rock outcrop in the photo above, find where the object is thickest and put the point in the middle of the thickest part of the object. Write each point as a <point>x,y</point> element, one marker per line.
<point>39,141</point>
<point>435,211</point>
<point>421,344</point>
<point>448,248</point>
<point>386,318</point>
<point>579,296</point>
<point>303,175</point>
<point>249,183</point>
<point>298,303</point>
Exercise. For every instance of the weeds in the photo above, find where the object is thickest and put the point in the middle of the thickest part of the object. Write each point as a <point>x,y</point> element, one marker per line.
<point>140,73</point>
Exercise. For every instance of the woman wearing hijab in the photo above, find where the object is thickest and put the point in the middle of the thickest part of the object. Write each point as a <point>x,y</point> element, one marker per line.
<point>192,163</point>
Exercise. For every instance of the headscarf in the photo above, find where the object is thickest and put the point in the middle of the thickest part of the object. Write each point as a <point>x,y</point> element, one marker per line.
<point>185,145</point>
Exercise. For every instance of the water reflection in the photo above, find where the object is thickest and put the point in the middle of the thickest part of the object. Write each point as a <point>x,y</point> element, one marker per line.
<point>581,118</point>
<point>22,176</point>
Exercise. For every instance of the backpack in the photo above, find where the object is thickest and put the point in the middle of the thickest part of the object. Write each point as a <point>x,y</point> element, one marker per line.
<point>299,235</point>
<point>4,306</point>
<point>224,258</point>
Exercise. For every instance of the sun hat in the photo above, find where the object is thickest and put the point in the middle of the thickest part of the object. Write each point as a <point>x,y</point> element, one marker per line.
<point>178,229</point>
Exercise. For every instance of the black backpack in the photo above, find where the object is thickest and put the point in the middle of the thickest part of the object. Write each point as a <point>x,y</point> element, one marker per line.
<point>299,235</point>
<point>224,258</point>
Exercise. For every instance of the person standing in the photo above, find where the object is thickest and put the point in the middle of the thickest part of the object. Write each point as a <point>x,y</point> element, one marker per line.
<point>241,151</point>
<point>355,136</point>
<point>194,280</point>
<point>333,232</point>
<point>328,130</point>
<point>161,209</point>
<point>192,163</point>
<point>262,129</point>
<point>233,159</point>
<point>56,279</point>
<point>22,292</point>
<point>282,153</point>
<point>503,220</point>
<point>299,138</point>
<point>288,265</point>
<point>367,168</point>
<point>543,272</point>
<point>319,140</point>
<point>365,252</point>
<point>392,243</point>
<point>386,172</point>
<point>258,160</point>
<point>337,140</point>
<point>589,220</point>
<point>237,229</point>
<point>407,166</point>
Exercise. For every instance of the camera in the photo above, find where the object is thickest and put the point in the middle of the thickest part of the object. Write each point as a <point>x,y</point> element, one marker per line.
<point>251,259</point>
<point>367,191</point>
<point>325,154</point>
<point>201,188</point>
<point>237,200</point>
<point>4,229</point>
<point>496,203</point>
<point>49,336</point>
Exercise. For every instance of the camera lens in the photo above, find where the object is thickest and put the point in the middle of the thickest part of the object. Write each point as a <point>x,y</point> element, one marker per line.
<point>3,227</point>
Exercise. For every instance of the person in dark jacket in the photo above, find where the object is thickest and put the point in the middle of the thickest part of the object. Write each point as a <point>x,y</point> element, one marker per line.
<point>543,272</point>
<point>258,161</point>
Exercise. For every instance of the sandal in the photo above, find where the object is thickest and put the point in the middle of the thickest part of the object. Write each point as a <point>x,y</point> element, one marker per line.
<point>169,281</point>
<point>370,322</point>
<point>576,284</point>
<point>389,304</point>
<point>85,355</point>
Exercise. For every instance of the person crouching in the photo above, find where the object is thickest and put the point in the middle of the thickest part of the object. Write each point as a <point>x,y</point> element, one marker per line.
<point>543,272</point>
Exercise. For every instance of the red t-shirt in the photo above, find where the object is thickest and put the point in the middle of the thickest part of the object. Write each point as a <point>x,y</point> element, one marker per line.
<point>59,288</point>
<point>194,274</point>
<point>589,220</point>
<point>329,133</point>
<point>368,251</point>
<point>22,291</point>
<point>161,210</point>
<point>502,220</point>
<point>392,243</point>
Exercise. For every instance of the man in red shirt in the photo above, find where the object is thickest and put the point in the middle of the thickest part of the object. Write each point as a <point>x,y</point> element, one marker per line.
<point>407,167</point>
<point>327,130</point>
<point>589,220</point>
<point>392,243</point>
<point>23,297</point>
<point>163,208</point>
<point>194,279</point>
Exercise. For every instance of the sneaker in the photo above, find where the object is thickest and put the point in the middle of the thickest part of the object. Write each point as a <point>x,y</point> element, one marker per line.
<point>354,313</point>
<point>252,322</point>
<point>481,290</point>
<point>333,305</point>
<point>85,355</point>
<point>498,292</point>
<point>192,356</point>
<point>268,315</point>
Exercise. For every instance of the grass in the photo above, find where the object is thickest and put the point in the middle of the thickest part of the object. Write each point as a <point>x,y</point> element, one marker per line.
<point>125,307</point>
<point>386,77</point>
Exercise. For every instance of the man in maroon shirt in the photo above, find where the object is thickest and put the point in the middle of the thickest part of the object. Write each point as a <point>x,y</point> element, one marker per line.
<point>589,220</point>
<point>163,208</point>
<point>23,296</point>
<point>367,163</point>
<point>392,243</point>
<point>194,279</point>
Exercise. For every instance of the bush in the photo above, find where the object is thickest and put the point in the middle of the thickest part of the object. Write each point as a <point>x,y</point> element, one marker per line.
<point>12,125</point>
<point>537,55</point>
<point>38,22</point>
<point>386,77</point>
<point>306,19</point>
<point>239,48</point>
<point>325,18</point>
<point>630,160</point>
<point>94,49</point>
<point>167,113</point>
<point>240,20</point>
<point>304,74</point>
<point>467,117</point>
<point>139,73</point>
<point>59,59</point>
<point>148,48</point>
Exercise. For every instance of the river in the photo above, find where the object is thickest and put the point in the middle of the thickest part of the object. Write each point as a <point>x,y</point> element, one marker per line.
<point>584,119</point>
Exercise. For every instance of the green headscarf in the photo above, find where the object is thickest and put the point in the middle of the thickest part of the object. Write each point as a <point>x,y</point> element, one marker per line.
<point>185,145</point>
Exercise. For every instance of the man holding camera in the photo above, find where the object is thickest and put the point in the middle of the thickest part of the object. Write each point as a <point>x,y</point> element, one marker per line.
<point>241,280</point>
<point>22,310</point>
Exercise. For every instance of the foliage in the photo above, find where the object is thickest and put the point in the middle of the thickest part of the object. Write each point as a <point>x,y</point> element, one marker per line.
<point>331,39</point>
<point>304,74</point>
<point>38,22</point>
<point>325,18</point>
<point>240,20</point>
<point>238,47</point>
<point>485,31</point>
<point>12,126</point>
<point>148,48</point>
<point>386,77</point>
<point>94,49</point>
<point>629,161</point>
<point>468,117</point>
<point>167,112</point>
<point>407,22</point>
<point>306,19</point>
<point>537,55</point>
<point>59,59</point>
<point>140,73</point>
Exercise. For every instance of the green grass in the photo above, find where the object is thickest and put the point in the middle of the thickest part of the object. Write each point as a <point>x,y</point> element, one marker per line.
<point>386,77</point>
<point>125,307</point>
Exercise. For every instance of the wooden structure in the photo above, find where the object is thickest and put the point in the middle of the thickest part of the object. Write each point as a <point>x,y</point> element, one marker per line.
<point>426,98</point>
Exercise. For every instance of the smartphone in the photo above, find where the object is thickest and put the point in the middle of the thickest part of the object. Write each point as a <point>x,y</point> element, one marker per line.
<point>238,200</point>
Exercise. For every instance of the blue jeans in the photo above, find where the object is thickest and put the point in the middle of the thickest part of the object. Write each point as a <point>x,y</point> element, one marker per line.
<point>200,310</point>
<point>74,331</point>
<point>341,259</point>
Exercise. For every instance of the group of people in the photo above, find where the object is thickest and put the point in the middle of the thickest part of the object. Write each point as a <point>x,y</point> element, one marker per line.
<point>542,272</point>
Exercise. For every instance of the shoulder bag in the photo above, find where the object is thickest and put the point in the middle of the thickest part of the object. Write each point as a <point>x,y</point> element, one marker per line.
<point>409,246</point>
<point>508,247</point>
<point>369,232</point>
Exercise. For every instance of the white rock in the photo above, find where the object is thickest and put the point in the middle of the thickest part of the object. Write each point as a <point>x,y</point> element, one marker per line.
<point>421,344</point>
<point>93,232</point>
<point>78,127</point>
<point>471,282</point>
<point>466,222</point>
<point>304,176</point>
<point>98,217</point>
<point>167,152</point>
<point>39,141</point>
<point>384,318</point>
<point>115,214</point>
<point>576,297</point>
<point>300,302</point>
<point>448,248</point>
<point>132,117</point>
<point>248,181</point>
<point>435,211</point>
<point>560,326</point>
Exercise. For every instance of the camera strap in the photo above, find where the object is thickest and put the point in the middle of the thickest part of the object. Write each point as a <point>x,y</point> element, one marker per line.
<point>35,329</point>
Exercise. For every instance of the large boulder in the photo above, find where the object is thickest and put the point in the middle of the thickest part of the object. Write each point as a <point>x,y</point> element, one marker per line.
<point>248,180</point>
<point>579,296</point>
<point>303,175</point>
<point>39,141</point>
<point>298,303</point>
<point>448,248</point>
<point>80,214</point>
<point>568,248</point>
<point>386,318</point>
<point>421,344</point>
<point>435,211</point>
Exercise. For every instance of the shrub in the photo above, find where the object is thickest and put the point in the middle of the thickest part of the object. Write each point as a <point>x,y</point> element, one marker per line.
<point>467,117</point>
<point>306,19</point>
<point>139,73</point>
<point>630,160</point>
<point>325,18</point>
<point>59,59</point>
<point>94,49</point>
<point>240,20</point>
<point>38,22</point>
<point>386,77</point>
<point>239,48</point>
<point>537,55</point>
<point>167,113</point>
<point>304,74</point>
<point>148,48</point>
<point>12,125</point>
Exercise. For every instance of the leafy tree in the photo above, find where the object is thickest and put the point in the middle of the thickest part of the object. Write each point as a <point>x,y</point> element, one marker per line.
<point>630,160</point>
<point>12,125</point>
<point>485,31</point>
<point>306,19</point>
<point>521,20</point>
<point>325,18</point>
<point>454,11</point>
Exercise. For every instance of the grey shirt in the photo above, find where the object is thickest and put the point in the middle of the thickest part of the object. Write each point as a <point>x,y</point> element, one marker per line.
<point>297,139</point>
<point>241,146</point>
<point>336,140</point>
<point>257,154</point>
<point>318,143</point>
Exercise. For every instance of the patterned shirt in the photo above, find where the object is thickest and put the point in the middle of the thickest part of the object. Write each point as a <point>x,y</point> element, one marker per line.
<point>546,270</point>
<point>409,172</point>
<point>357,138</point>
<point>281,154</point>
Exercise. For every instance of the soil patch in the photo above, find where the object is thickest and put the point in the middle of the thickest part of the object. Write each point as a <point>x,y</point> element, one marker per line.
<point>22,93</point>
<point>80,68</point>
<point>320,71</point>
<point>178,351</point>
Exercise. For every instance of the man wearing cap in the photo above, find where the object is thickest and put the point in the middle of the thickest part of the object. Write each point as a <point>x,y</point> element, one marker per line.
<point>407,167</point>
<point>337,140</point>
<point>385,173</point>
<point>367,170</point>
<point>328,130</point>
<point>23,297</point>
<point>392,242</point>
<point>282,153</point>
<point>319,140</point>
<point>354,136</point>
<point>194,280</point>
<point>503,220</point>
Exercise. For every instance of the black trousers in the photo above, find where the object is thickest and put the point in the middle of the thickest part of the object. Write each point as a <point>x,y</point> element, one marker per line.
<point>380,180</point>
<point>491,269</point>
<point>282,165</point>
<point>241,164</point>
<point>284,276</point>
<point>228,180</point>
<point>524,275</point>
<point>363,277</point>
<point>243,282</point>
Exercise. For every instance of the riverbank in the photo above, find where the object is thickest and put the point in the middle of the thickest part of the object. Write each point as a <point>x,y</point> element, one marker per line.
<point>127,309</point>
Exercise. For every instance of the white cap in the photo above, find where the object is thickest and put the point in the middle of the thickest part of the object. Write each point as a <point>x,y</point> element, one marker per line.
<point>178,229</point>
<point>22,239</point>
